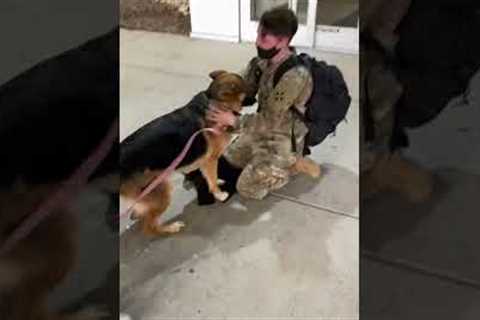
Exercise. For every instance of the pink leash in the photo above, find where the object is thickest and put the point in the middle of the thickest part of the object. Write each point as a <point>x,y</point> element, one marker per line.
<point>77,179</point>
<point>168,171</point>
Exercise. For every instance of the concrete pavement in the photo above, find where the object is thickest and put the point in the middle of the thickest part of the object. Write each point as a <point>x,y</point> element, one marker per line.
<point>422,259</point>
<point>294,254</point>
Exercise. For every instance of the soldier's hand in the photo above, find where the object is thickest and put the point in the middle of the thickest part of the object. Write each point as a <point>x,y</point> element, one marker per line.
<point>221,117</point>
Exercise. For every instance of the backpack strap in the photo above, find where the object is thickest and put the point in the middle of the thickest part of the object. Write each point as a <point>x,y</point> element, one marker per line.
<point>288,64</point>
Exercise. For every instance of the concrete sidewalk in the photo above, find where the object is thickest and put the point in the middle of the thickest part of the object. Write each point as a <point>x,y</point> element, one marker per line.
<point>422,260</point>
<point>295,254</point>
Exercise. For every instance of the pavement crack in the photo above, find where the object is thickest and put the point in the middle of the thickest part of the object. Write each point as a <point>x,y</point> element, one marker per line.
<point>311,205</point>
<point>420,268</point>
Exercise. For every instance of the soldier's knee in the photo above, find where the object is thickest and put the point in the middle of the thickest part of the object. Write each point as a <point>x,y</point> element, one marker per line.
<point>257,181</point>
<point>252,192</point>
<point>249,184</point>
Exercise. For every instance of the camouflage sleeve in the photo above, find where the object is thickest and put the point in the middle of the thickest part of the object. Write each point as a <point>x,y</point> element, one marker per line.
<point>242,122</point>
<point>250,75</point>
<point>288,91</point>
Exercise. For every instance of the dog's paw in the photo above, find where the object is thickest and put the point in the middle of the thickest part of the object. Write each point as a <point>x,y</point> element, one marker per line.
<point>187,184</point>
<point>173,227</point>
<point>221,196</point>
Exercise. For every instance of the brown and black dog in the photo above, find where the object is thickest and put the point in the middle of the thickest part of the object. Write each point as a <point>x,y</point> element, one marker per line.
<point>150,150</point>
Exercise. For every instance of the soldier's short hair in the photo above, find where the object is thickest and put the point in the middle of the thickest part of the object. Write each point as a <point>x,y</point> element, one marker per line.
<point>280,22</point>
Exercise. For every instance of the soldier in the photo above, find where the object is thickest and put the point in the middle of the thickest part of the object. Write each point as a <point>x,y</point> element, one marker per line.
<point>263,155</point>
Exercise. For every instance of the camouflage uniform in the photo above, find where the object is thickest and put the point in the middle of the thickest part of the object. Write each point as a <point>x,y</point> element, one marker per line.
<point>379,93</point>
<point>380,19</point>
<point>264,147</point>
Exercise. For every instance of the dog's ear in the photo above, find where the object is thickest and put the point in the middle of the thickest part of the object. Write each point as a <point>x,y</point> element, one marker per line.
<point>216,73</point>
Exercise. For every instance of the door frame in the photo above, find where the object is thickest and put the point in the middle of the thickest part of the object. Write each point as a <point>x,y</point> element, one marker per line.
<point>338,39</point>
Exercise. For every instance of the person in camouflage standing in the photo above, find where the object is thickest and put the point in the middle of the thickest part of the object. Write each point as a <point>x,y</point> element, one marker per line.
<point>264,148</point>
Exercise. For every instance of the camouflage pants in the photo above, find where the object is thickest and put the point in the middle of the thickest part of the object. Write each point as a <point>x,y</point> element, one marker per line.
<point>265,162</point>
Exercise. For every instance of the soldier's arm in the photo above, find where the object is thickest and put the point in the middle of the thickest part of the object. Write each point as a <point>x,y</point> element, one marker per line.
<point>251,76</point>
<point>242,122</point>
<point>287,91</point>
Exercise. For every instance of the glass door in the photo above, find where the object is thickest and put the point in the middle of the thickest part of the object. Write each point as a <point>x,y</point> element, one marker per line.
<point>337,25</point>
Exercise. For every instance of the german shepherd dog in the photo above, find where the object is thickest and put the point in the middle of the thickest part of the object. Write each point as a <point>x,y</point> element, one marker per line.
<point>150,150</point>
<point>52,117</point>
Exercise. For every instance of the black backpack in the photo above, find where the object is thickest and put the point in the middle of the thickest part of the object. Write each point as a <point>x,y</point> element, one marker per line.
<point>329,102</point>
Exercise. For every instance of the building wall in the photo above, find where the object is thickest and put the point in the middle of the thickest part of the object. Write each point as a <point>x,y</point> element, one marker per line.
<point>182,5</point>
<point>215,19</point>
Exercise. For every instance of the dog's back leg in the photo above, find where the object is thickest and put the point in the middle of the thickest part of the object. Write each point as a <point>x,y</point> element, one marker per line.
<point>155,204</point>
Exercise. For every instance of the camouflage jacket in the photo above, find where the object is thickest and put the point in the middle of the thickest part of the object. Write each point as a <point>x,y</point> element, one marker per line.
<point>274,117</point>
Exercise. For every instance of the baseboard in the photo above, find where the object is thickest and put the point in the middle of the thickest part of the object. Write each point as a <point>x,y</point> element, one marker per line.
<point>210,36</point>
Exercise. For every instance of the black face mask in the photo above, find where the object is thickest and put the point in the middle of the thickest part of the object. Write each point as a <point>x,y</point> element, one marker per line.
<point>267,54</point>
